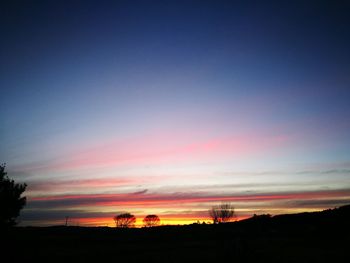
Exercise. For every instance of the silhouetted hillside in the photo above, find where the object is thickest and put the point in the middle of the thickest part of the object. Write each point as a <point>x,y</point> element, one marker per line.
<point>326,220</point>
<point>305,237</point>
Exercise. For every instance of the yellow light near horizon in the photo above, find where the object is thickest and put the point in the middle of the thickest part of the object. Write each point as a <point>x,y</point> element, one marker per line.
<point>108,222</point>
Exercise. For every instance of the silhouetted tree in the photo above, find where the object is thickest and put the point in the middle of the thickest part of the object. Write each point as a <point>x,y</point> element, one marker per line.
<point>151,220</point>
<point>222,213</point>
<point>214,214</point>
<point>11,201</point>
<point>125,220</point>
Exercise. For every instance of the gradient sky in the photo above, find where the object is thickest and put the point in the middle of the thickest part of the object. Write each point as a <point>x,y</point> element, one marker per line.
<point>171,107</point>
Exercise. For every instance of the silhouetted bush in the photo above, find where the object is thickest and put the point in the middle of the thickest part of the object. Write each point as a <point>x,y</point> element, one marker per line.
<point>222,213</point>
<point>124,220</point>
<point>151,220</point>
<point>11,201</point>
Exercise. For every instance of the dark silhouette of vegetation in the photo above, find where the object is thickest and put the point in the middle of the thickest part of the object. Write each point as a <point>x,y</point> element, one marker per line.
<point>151,220</point>
<point>306,237</point>
<point>124,220</point>
<point>11,201</point>
<point>222,214</point>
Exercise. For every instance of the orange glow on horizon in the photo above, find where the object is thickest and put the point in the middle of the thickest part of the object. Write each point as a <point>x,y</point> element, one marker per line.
<point>108,222</point>
<point>174,209</point>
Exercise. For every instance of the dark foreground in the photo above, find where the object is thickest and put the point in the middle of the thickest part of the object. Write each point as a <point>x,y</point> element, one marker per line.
<point>307,237</point>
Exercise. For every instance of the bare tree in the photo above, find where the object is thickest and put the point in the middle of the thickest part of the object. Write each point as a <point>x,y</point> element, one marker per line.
<point>222,213</point>
<point>151,220</point>
<point>214,214</point>
<point>124,220</point>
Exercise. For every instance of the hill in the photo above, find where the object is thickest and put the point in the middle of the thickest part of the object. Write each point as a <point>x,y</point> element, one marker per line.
<point>305,237</point>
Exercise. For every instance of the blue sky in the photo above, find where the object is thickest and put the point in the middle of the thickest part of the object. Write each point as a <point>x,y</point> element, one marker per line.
<point>165,97</point>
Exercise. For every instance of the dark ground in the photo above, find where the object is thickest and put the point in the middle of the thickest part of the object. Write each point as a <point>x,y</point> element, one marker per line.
<point>307,237</point>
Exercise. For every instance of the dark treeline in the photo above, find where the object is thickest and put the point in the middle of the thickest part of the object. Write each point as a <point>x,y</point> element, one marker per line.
<point>306,237</point>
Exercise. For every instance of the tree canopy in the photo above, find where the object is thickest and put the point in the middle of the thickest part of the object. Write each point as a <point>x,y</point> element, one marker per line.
<point>222,213</point>
<point>11,201</point>
<point>124,220</point>
<point>151,220</point>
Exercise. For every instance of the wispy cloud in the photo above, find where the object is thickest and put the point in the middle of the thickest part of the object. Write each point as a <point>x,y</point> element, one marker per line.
<point>143,199</point>
<point>159,148</point>
<point>82,183</point>
<point>98,184</point>
<point>140,192</point>
<point>185,207</point>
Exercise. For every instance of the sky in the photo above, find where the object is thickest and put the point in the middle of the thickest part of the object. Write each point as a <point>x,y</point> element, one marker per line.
<point>172,107</point>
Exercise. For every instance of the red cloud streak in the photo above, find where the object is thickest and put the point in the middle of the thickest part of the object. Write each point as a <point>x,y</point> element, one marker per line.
<point>166,199</point>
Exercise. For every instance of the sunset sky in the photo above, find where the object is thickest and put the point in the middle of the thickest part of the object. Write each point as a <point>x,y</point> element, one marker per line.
<point>171,107</point>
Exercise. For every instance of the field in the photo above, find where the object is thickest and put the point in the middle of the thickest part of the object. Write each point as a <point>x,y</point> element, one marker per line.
<point>307,237</point>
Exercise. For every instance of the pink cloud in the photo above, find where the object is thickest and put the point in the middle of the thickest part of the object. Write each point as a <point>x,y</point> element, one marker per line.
<point>164,200</point>
<point>163,148</point>
<point>82,183</point>
<point>98,209</point>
